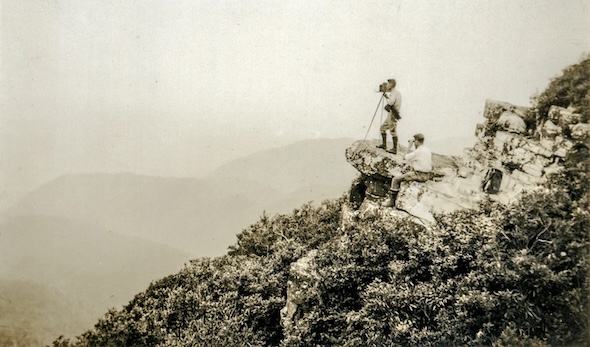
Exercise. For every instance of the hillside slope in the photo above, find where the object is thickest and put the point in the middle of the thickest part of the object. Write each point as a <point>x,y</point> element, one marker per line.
<point>86,268</point>
<point>34,314</point>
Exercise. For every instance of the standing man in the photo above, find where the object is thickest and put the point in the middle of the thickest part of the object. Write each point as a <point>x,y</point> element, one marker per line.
<point>420,160</point>
<point>393,106</point>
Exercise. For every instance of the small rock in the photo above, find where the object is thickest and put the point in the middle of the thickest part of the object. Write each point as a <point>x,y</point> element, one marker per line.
<point>411,199</point>
<point>547,144</point>
<point>303,279</point>
<point>560,152</point>
<point>535,170</point>
<point>493,109</point>
<point>550,130</point>
<point>580,131</point>
<point>552,169</point>
<point>538,149</point>
<point>525,179</point>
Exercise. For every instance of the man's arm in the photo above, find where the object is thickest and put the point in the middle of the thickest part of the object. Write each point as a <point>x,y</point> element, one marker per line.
<point>387,96</point>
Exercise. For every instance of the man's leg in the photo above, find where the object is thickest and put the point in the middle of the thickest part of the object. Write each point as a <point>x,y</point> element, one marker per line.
<point>383,129</point>
<point>396,185</point>
<point>392,198</point>
<point>393,131</point>
<point>384,141</point>
<point>393,149</point>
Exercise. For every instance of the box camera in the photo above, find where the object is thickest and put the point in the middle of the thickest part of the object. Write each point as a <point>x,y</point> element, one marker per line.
<point>383,87</point>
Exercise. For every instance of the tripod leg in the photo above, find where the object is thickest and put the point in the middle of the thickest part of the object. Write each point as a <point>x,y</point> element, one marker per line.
<point>377,109</point>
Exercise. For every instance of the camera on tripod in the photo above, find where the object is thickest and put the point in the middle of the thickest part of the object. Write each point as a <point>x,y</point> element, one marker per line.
<point>384,87</point>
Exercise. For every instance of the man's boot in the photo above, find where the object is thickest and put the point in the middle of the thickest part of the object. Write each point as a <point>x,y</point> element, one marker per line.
<point>391,202</point>
<point>384,139</point>
<point>393,150</point>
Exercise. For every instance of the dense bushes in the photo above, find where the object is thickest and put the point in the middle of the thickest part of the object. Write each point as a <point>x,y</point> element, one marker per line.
<point>479,278</point>
<point>307,225</point>
<point>212,302</point>
<point>572,88</point>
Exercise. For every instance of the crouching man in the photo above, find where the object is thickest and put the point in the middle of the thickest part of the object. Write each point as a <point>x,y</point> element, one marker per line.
<point>420,162</point>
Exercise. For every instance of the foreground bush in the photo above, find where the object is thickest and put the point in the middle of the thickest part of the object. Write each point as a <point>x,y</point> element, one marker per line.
<point>479,278</point>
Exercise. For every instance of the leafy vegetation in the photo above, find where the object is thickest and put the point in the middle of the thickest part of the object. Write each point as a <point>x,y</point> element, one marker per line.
<point>496,275</point>
<point>572,88</point>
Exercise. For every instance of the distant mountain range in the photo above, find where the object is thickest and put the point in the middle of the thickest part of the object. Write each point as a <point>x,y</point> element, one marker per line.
<point>98,238</point>
<point>290,168</point>
<point>198,216</point>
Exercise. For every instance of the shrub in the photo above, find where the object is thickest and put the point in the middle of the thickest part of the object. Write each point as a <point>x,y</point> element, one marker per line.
<point>212,302</point>
<point>308,225</point>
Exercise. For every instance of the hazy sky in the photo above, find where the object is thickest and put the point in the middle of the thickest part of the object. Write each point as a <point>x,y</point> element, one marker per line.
<point>174,88</point>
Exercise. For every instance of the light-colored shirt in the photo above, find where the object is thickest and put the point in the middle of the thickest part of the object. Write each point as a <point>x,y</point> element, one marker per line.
<point>394,98</point>
<point>420,159</point>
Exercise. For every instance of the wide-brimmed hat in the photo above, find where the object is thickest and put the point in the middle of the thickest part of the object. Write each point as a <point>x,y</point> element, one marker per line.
<point>419,137</point>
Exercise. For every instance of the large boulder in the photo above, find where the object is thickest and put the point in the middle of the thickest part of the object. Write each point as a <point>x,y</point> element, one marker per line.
<point>512,122</point>
<point>375,162</point>
<point>446,191</point>
<point>493,109</point>
<point>519,162</point>
<point>424,200</point>
<point>563,117</point>
<point>372,161</point>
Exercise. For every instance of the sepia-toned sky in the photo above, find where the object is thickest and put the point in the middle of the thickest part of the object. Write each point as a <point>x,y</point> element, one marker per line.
<point>175,88</point>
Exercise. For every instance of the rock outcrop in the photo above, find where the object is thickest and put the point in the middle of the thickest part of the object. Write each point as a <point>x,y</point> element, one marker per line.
<point>524,157</point>
<point>302,283</point>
